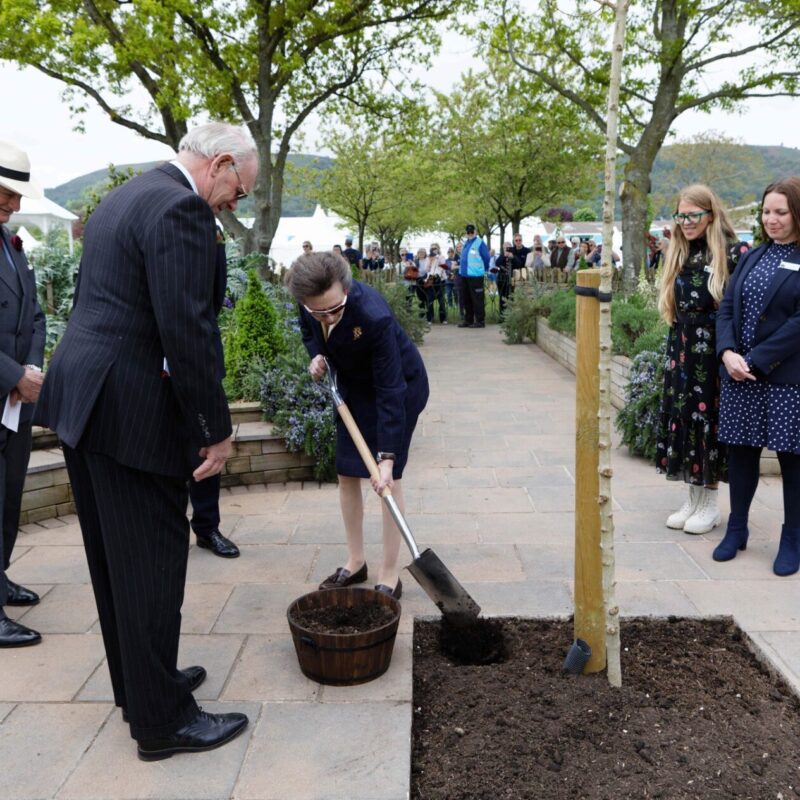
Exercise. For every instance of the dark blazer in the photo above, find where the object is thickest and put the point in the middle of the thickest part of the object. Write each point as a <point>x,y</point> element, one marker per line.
<point>144,293</point>
<point>22,322</point>
<point>381,373</point>
<point>776,349</point>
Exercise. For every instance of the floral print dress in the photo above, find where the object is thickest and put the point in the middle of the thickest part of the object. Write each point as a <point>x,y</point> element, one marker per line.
<point>687,447</point>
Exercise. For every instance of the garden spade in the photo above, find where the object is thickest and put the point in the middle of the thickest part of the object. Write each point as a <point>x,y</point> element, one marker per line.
<point>427,568</point>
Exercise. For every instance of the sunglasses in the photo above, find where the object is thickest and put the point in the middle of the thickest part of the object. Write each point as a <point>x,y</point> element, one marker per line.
<point>328,312</point>
<point>240,192</point>
<point>692,216</point>
<point>306,247</point>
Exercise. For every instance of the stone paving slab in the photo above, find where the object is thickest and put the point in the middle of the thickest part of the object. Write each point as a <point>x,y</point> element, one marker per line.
<point>267,671</point>
<point>66,608</point>
<point>329,751</point>
<point>37,756</point>
<point>54,670</point>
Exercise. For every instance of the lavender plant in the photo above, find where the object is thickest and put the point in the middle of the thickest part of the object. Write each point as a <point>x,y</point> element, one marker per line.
<point>638,421</point>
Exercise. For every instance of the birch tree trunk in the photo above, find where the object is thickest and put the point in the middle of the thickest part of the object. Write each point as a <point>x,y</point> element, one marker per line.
<point>614,670</point>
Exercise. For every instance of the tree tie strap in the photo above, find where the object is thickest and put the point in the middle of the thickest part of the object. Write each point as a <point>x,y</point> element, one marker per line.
<point>589,291</point>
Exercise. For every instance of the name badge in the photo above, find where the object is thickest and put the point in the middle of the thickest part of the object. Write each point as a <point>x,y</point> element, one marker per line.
<point>789,265</point>
<point>708,268</point>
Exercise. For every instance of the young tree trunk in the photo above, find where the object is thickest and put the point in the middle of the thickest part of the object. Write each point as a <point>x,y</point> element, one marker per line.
<point>613,668</point>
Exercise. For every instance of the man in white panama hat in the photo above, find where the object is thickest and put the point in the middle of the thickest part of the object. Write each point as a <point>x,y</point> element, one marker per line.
<point>22,337</point>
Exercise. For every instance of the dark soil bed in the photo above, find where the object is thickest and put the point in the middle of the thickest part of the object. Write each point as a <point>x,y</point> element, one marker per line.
<point>340,619</point>
<point>698,716</point>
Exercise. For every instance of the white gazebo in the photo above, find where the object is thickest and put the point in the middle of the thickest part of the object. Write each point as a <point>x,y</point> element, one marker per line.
<point>45,214</point>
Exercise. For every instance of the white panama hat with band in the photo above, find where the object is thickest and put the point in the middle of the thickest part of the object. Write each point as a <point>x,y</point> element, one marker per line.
<point>15,172</point>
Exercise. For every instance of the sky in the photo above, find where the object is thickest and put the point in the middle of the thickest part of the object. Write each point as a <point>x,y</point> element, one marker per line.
<point>42,124</point>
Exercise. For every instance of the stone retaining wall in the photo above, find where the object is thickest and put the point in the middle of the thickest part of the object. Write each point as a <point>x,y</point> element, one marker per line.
<point>258,457</point>
<point>562,349</point>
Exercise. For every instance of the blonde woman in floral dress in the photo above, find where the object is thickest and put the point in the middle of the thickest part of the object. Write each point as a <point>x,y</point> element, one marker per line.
<point>702,254</point>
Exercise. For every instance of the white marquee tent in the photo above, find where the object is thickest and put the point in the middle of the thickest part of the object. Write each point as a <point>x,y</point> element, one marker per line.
<point>45,214</point>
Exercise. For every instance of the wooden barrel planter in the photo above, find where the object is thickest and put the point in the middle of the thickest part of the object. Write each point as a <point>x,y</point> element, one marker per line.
<point>344,659</point>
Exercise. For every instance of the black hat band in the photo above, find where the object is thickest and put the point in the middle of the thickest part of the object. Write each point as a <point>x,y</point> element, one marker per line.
<point>14,174</point>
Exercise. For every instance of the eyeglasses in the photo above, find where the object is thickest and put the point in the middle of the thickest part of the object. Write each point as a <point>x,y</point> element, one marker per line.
<point>561,241</point>
<point>329,312</point>
<point>240,192</point>
<point>693,217</point>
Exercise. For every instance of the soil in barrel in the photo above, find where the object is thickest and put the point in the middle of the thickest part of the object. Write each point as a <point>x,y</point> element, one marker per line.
<point>698,716</point>
<point>339,619</point>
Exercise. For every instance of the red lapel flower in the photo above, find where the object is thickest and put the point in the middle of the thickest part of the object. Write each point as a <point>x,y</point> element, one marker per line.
<point>16,243</point>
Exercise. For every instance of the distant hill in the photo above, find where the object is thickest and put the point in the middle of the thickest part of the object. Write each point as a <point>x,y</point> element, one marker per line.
<point>748,169</point>
<point>298,201</point>
<point>758,165</point>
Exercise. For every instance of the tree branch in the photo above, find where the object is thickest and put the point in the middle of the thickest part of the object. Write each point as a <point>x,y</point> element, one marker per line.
<point>113,114</point>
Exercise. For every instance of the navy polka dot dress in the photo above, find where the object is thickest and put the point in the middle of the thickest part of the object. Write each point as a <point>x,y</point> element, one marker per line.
<point>759,413</point>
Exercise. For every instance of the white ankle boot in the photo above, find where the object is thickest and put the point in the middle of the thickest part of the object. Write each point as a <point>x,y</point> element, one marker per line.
<point>706,516</point>
<point>678,519</point>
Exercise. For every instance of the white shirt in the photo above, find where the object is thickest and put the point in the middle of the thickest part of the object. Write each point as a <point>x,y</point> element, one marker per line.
<point>187,174</point>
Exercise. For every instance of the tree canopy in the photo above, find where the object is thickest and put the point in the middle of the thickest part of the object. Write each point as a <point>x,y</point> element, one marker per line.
<point>679,55</point>
<point>271,65</point>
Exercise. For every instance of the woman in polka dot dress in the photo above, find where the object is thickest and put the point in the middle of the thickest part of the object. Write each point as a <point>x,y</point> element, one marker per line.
<point>702,254</point>
<point>758,340</point>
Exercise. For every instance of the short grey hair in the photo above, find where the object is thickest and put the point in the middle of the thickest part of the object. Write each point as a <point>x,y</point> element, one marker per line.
<point>214,138</point>
<point>314,273</point>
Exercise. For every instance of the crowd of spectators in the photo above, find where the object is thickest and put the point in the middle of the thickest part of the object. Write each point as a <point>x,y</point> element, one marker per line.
<point>435,281</point>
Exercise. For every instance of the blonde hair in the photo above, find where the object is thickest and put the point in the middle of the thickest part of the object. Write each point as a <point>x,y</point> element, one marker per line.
<point>719,236</point>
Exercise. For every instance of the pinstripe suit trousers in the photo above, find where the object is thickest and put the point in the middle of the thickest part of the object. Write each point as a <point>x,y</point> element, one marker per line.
<point>136,537</point>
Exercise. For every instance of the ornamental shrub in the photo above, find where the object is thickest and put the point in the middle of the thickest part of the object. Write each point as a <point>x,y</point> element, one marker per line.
<point>522,310</point>
<point>252,337</point>
<point>630,319</point>
<point>562,311</point>
<point>638,421</point>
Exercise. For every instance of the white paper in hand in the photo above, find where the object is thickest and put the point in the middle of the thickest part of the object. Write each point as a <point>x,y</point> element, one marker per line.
<point>11,414</point>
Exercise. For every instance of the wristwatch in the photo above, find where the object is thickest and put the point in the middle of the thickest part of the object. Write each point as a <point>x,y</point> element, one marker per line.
<point>33,367</point>
<point>382,456</point>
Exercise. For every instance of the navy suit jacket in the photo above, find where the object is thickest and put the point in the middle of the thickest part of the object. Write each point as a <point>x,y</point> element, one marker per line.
<point>144,293</point>
<point>22,322</point>
<point>381,373</point>
<point>776,348</point>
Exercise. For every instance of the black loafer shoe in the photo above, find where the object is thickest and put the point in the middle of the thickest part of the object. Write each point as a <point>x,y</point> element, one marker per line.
<point>194,675</point>
<point>396,592</point>
<point>204,732</point>
<point>342,577</point>
<point>20,596</point>
<point>12,634</point>
<point>218,544</point>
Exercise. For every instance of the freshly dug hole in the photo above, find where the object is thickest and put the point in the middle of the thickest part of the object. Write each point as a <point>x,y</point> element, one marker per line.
<point>473,642</point>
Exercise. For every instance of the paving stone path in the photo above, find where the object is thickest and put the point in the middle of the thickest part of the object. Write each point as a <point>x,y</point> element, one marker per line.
<point>489,485</point>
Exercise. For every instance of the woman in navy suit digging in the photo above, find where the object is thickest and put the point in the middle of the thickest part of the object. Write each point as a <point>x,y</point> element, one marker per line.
<point>758,341</point>
<point>383,381</point>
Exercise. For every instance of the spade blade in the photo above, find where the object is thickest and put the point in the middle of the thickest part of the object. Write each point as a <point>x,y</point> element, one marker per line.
<point>442,587</point>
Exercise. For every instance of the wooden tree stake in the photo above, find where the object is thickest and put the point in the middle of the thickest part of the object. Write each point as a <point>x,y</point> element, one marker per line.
<point>589,612</point>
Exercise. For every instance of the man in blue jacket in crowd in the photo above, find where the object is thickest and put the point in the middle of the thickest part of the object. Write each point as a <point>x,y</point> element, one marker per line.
<point>473,266</point>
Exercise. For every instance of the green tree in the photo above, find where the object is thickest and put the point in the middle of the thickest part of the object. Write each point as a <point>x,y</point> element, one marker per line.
<point>270,64</point>
<point>253,339</point>
<point>673,50</point>
<point>507,150</point>
<point>584,214</point>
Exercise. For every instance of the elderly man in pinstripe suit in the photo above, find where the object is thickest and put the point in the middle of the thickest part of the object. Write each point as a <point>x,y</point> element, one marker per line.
<point>138,409</point>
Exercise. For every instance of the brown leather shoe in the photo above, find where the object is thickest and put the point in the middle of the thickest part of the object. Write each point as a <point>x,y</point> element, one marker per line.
<point>342,577</point>
<point>396,592</point>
